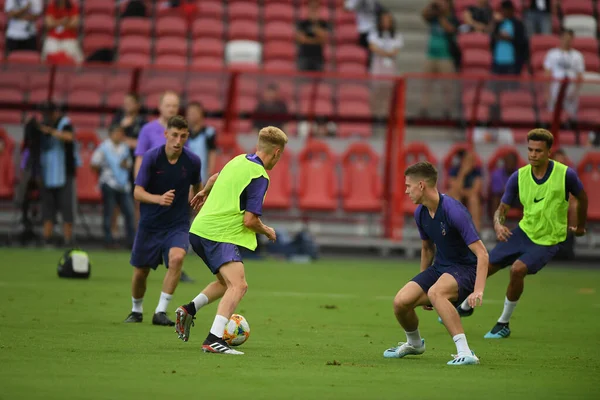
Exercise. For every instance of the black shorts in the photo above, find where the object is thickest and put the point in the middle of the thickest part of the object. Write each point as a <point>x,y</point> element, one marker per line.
<point>59,199</point>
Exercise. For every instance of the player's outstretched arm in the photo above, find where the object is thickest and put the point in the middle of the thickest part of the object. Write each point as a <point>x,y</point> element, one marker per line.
<point>476,298</point>
<point>253,222</point>
<point>502,232</point>
<point>582,206</point>
<point>141,195</point>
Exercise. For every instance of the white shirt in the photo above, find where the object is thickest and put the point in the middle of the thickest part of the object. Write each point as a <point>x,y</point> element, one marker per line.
<point>365,14</point>
<point>20,29</point>
<point>564,64</point>
<point>387,42</point>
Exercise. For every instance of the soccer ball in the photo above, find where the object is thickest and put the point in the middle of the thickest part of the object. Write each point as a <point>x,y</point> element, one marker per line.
<point>237,330</point>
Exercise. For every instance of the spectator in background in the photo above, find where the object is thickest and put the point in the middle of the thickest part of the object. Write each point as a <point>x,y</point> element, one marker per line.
<point>498,180</point>
<point>465,184</point>
<point>58,166</point>
<point>202,141</point>
<point>565,62</point>
<point>367,12</point>
<point>509,44</point>
<point>21,32</point>
<point>112,160</point>
<point>538,16</point>
<point>270,104</point>
<point>311,35</point>
<point>130,119</point>
<point>385,44</point>
<point>443,55</point>
<point>478,17</point>
<point>62,22</point>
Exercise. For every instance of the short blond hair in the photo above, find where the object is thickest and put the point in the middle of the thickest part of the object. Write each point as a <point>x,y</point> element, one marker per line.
<point>271,137</point>
<point>541,135</point>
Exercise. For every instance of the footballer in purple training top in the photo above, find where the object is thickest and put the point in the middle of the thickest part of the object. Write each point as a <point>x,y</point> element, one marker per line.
<point>162,186</point>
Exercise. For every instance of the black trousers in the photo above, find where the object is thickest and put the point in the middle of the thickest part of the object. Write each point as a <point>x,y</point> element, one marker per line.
<point>23,44</point>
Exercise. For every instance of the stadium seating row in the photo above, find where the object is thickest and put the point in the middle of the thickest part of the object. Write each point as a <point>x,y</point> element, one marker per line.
<point>316,179</point>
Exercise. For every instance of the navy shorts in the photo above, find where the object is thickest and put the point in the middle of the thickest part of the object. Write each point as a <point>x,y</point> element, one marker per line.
<point>215,254</point>
<point>520,247</point>
<point>150,249</point>
<point>465,277</point>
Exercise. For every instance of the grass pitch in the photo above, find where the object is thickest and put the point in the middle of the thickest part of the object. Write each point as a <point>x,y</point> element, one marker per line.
<point>317,332</point>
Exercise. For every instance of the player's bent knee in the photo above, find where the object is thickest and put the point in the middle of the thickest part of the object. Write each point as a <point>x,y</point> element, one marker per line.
<point>518,270</point>
<point>404,301</point>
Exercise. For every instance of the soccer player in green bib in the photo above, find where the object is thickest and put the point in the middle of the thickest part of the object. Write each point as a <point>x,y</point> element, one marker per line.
<point>543,187</point>
<point>228,218</point>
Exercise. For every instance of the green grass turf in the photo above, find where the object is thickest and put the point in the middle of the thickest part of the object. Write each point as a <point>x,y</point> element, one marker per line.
<point>64,339</point>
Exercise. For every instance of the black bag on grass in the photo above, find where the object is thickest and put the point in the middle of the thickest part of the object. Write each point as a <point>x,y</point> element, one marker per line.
<point>75,263</point>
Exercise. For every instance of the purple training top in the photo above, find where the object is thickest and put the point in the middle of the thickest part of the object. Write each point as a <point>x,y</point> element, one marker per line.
<point>253,195</point>
<point>151,135</point>
<point>573,184</point>
<point>157,175</point>
<point>498,181</point>
<point>451,230</point>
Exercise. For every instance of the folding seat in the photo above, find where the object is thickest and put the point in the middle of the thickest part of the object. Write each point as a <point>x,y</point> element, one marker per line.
<point>207,28</point>
<point>481,112</point>
<point>323,12</point>
<point>543,43</point>
<point>354,130</point>
<point>343,17</point>
<point>279,65</point>
<point>85,121</point>
<point>171,27</point>
<point>350,53</point>
<point>469,41</point>
<point>589,116</point>
<point>353,92</point>
<point>13,117</point>
<point>451,160</point>
<point>135,27</point>
<point>279,193</point>
<point>361,181</point>
<point>93,81</point>
<point>477,58</point>
<point>518,114</point>
<point>208,47</point>
<point>486,97</point>
<point>248,86</point>
<point>318,185</point>
<point>521,98</point>
<point>97,41</point>
<point>210,9</point>
<point>586,44</point>
<point>243,126</point>
<point>99,7</point>
<point>134,45</point>
<point>278,30</point>
<point>354,108</point>
<point>279,50</point>
<point>24,56</point>
<point>345,34</point>
<point>208,62</point>
<point>566,138</point>
<point>243,30</point>
<point>247,104</point>
<point>352,68</point>
<point>167,46</point>
<point>170,60</point>
<point>279,12</point>
<point>7,171</point>
<point>86,98</point>
<point>99,24</point>
<point>243,11</point>
<point>134,60</point>
<point>159,84</point>
<point>210,102</point>
<point>12,95</point>
<point>320,107</point>
<point>592,62</point>
<point>589,173</point>
<point>577,7</point>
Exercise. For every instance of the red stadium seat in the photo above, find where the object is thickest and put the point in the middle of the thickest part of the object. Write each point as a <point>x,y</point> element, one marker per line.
<point>7,171</point>
<point>88,81</point>
<point>210,102</point>
<point>592,62</point>
<point>208,28</point>
<point>247,104</point>
<point>477,58</point>
<point>413,152</point>
<point>170,46</point>
<point>134,45</point>
<point>208,47</point>
<point>362,184</point>
<point>359,130</point>
<point>280,50</point>
<point>225,153</point>
<point>518,114</point>
<point>345,34</point>
<point>451,159</point>
<point>589,173</point>
<point>586,44</point>
<point>88,140</point>
<point>88,121</point>
<point>102,7</point>
<point>486,97</point>
<point>496,161</point>
<point>543,43</point>
<point>135,27</point>
<point>468,41</point>
<point>278,30</point>
<point>279,65</point>
<point>243,11</point>
<point>352,68</point>
<point>350,53</point>
<point>320,107</point>
<point>577,7</point>
<point>208,62</point>
<point>87,180</point>
<point>354,108</point>
<point>210,10</point>
<point>318,182</point>
<point>94,42</point>
<point>153,84</point>
<point>343,17</point>
<point>279,12</point>
<point>13,80</point>
<point>96,24</point>
<point>516,99</point>
<point>354,92</point>
<point>323,12</point>
<point>134,60</point>
<point>170,60</point>
<point>11,117</point>
<point>171,26</point>
<point>482,112</point>
<point>279,193</point>
<point>243,30</point>
<point>589,116</point>
<point>87,98</point>
<point>24,56</point>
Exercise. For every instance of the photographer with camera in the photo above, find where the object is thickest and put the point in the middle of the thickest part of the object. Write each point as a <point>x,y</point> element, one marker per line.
<point>58,165</point>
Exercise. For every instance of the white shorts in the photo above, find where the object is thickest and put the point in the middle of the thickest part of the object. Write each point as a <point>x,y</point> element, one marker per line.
<point>68,46</point>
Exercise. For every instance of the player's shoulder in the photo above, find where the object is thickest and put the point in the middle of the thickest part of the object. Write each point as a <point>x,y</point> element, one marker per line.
<point>453,209</point>
<point>418,212</point>
<point>154,152</point>
<point>190,155</point>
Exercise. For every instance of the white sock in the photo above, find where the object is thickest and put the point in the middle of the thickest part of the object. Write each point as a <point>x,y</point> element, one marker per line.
<point>218,326</point>
<point>509,307</point>
<point>462,347</point>
<point>465,305</point>
<point>137,305</point>
<point>200,301</point>
<point>163,303</point>
<point>414,338</point>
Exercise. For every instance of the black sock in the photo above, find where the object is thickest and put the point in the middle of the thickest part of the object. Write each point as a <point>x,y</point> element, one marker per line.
<point>190,308</point>
<point>213,338</point>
